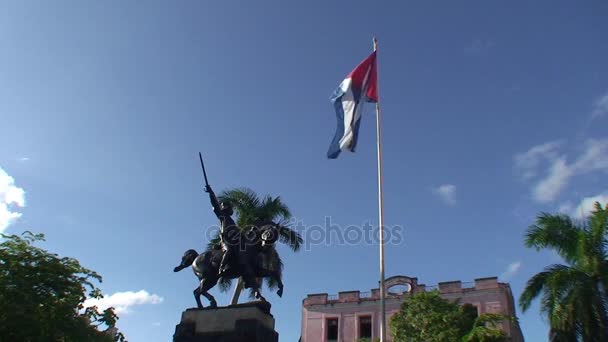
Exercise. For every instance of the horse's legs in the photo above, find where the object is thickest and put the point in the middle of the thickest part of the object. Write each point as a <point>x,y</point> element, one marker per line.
<point>252,283</point>
<point>258,295</point>
<point>274,274</point>
<point>207,284</point>
<point>197,296</point>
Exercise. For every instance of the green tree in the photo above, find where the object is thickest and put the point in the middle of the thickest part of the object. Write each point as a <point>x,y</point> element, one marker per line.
<point>42,296</point>
<point>486,329</point>
<point>252,210</point>
<point>572,296</point>
<point>427,317</point>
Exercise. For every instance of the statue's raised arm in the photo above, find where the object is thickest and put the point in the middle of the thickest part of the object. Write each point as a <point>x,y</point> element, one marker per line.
<point>214,201</point>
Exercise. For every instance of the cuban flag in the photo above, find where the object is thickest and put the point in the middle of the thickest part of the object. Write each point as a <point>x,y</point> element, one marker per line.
<point>360,86</point>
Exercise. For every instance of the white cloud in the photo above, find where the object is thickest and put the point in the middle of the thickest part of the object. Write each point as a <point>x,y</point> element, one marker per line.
<point>600,107</point>
<point>586,205</point>
<point>23,159</point>
<point>511,270</point>
<point>447,192</point>
<point>548,188</point>
<point>123,301</point>
<point>529,161</point>
<point>10,196</point>
<point>594,158</point>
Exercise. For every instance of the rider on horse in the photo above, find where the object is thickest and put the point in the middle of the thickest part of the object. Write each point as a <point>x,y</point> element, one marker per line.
<point>229,232</point>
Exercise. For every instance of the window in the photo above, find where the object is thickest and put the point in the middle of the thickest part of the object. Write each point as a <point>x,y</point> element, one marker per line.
<point>365,327</point>
<point>471,310</point>
<point>399,289</point>
<point>332,330</point>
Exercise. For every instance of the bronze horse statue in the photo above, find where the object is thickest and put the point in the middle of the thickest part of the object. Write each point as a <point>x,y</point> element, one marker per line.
<point>251,264</point>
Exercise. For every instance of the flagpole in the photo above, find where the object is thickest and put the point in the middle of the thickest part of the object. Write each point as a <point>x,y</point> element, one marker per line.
<point>380,211</point>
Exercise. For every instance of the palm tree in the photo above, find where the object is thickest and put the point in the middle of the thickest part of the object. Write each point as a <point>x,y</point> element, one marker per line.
<point>252,210</point>
<point>573,296</point>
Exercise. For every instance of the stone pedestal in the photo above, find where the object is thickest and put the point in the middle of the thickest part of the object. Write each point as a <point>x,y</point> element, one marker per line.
<point>248,322</point>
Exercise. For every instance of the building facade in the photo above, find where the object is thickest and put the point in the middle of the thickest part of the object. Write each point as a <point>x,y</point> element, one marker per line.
<point>351,316</point>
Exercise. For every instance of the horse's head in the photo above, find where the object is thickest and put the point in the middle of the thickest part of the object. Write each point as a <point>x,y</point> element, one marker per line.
<point>187,260</point>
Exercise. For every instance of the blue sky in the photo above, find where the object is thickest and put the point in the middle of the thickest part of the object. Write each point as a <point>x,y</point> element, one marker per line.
<point>492,112</point>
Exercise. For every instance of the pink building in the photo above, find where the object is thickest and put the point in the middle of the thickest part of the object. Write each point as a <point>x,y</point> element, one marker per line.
<point>353,315</point>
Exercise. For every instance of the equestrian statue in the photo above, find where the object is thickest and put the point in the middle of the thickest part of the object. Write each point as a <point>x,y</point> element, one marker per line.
<point>241,254</point>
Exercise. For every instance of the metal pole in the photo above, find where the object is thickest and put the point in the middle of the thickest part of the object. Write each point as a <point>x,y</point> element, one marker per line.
<point>380,213</point>
<point>237,291</point>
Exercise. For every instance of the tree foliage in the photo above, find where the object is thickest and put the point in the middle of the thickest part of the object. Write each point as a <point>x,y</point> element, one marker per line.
<point>42,296</point>
<point>486,329</point>
<point>572,296</point>
<point>427,317</point>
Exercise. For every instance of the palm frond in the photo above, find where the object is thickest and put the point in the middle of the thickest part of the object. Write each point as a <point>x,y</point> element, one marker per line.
<point>568,316</point>
<point>290,237</point>
<point>569,302</point>
<point>214,243</point>
<point>273,209</point>
<point>574,297</point>
<point>556,335</point>
<point>273,262</point>
<point>245,202</point>
<point>534,287</point>
<point>243,197</point>
<point>598,225</point>
<point>224,284</point>
<point>590,252</point>
<point>554,282</point>
<point>557,232</point>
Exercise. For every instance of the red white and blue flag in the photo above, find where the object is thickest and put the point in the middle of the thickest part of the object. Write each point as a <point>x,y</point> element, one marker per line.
<point>360,86</point>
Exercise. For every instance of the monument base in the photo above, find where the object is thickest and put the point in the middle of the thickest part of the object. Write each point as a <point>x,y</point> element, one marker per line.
<point>248,322</point>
